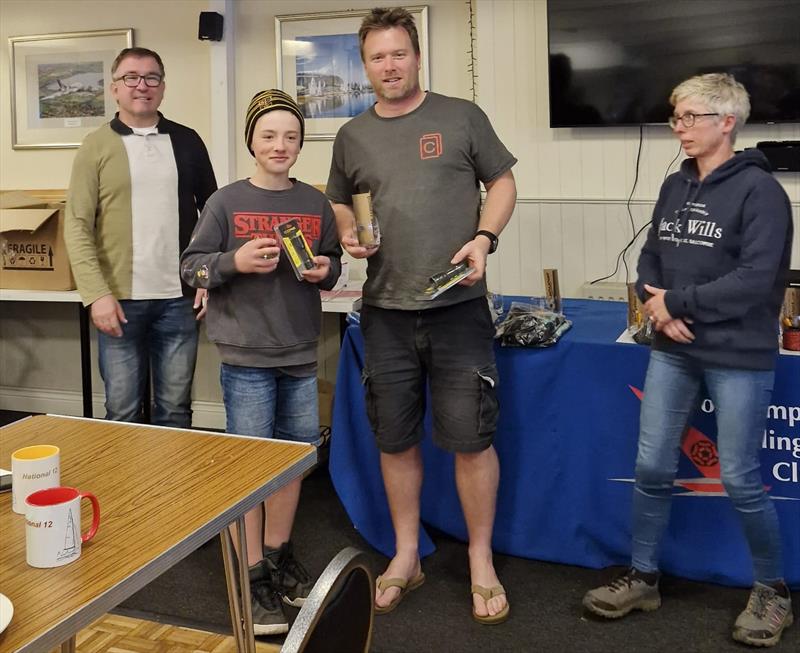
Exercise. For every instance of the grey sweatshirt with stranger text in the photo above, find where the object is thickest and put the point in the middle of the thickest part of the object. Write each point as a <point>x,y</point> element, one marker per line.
<point>261,320</point>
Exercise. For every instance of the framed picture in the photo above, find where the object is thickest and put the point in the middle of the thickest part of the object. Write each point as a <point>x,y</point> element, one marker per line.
<point>319,63</point>
<point>60,86</point>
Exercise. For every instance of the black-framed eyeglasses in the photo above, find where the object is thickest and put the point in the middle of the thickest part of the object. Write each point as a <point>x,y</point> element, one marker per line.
<point>132,81</point>
<point>687,119</point>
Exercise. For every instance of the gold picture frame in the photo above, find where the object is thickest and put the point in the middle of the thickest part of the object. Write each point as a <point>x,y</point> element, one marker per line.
<point>319,64</point>
<point>60,86</point>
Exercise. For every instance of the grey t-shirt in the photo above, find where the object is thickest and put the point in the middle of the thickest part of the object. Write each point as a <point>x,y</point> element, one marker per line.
<point>423,170</point>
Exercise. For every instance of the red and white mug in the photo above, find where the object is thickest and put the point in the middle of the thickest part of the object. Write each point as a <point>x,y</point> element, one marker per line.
<point>53,525</point>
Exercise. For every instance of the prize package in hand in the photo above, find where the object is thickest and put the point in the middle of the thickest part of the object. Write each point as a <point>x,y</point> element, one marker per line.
<point>295,245</point>
<point>442,281</point>
<point>367,230</point>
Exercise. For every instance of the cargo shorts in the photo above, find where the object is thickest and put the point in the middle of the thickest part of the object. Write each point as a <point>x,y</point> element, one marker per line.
<point>448,350</point>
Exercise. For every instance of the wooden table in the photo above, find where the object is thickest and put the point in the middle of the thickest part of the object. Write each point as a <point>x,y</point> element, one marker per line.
<point>163,492</point>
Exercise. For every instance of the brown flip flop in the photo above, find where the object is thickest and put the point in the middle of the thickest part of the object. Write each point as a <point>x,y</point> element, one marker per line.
<point>487,593</point>
<point>405,585</point>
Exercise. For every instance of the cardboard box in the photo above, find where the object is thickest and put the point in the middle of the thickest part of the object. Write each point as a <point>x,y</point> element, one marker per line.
<point>32,251</point>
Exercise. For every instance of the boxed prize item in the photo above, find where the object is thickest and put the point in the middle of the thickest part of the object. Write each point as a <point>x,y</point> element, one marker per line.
<point>790,320</point>
<point>791,303</point>
<point>294,243</point>
<point>552,290</point>
<point>367,230</point>
<point>32,251</point>
<point>635,312</point>
<point>640,328</point>
<point>445,280</point>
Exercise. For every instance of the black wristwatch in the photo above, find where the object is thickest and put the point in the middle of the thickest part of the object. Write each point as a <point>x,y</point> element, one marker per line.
<point>493,240</point>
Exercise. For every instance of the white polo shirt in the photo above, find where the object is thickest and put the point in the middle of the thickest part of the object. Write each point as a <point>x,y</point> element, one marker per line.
<point>154,211</point>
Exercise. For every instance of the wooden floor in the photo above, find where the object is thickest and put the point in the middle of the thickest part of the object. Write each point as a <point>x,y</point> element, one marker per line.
<point>117,634</point>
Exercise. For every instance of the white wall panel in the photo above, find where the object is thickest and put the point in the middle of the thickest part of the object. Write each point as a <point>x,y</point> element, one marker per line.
<point>572,268</point>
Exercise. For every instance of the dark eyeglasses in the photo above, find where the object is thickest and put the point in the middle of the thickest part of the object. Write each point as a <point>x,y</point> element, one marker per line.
<point>132,81</point>
<point>687,119</point>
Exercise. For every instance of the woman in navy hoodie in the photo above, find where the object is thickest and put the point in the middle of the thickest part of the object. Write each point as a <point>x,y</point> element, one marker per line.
<point>712,276</point>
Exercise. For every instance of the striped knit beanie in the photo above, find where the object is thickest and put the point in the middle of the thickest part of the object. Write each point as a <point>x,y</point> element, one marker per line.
<point>270,100</point>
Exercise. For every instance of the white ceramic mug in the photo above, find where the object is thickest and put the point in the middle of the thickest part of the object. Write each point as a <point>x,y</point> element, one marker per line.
<point>53,526</point>
<point>33,468</point>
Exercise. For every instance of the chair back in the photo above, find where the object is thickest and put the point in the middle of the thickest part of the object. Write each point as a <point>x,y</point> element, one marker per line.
<point>338,613</point>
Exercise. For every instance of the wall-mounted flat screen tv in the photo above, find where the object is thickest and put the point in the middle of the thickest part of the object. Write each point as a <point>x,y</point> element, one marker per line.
<point>615,62</point>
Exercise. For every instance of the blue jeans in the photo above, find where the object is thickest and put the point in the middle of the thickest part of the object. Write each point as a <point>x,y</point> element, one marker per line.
<point>741,399</point>
<point>266,403</point>
<point>163,334</point>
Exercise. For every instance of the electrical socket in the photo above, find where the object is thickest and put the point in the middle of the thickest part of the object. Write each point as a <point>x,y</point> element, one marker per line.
<point>614,291</point>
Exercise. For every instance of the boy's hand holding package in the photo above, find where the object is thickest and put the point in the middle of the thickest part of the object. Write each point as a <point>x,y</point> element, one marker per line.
<point>259,255</point>
<point>322,268</point>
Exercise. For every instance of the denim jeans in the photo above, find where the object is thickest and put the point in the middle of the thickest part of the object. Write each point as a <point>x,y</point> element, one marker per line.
<point>161,333</point>
<point>741,398</point>
<point>266,403</point>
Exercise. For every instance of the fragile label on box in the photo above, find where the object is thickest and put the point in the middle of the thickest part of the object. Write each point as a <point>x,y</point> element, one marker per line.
<point>32,251</point>
<point>27,256</point>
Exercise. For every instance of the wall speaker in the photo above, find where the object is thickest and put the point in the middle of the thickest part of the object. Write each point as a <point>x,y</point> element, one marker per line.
<point>210,26</point>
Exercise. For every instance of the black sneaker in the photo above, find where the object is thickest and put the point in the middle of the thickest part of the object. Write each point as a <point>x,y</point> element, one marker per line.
<point>265,603</point>
<point>632,590</point>
<point>268,615</point>
<point>289,578</point>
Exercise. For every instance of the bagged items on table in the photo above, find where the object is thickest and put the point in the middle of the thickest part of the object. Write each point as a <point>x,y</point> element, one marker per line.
<point>530,326</point>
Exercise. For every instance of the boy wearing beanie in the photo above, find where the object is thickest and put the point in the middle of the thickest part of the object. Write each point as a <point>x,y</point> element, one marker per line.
<point>266,324</point>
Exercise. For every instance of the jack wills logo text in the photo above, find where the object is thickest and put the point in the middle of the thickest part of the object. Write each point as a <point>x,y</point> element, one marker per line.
<point>705,228</point>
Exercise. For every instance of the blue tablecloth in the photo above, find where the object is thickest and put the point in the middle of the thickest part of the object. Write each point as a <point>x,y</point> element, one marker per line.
<point>567,445</point>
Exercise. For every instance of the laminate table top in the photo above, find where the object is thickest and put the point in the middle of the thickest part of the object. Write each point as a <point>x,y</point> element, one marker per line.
<point>163,492</point>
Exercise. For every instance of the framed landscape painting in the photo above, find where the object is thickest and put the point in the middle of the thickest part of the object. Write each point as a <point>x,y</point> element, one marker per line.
<point>60,86</point>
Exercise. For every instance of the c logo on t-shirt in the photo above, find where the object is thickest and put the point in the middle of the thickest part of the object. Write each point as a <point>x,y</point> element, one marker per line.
<point>430,146</point>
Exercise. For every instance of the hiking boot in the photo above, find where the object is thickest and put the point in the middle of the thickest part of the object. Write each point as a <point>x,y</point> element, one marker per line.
<point>766,615</point>
<point>266,606</point>
<point>288,576</point>
<point>633,590</point>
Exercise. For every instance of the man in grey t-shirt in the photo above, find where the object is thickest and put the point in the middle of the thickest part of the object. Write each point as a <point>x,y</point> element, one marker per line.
<point>422,157</point>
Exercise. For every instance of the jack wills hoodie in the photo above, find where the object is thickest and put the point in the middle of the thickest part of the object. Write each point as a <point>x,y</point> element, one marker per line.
<point>721,249</point>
